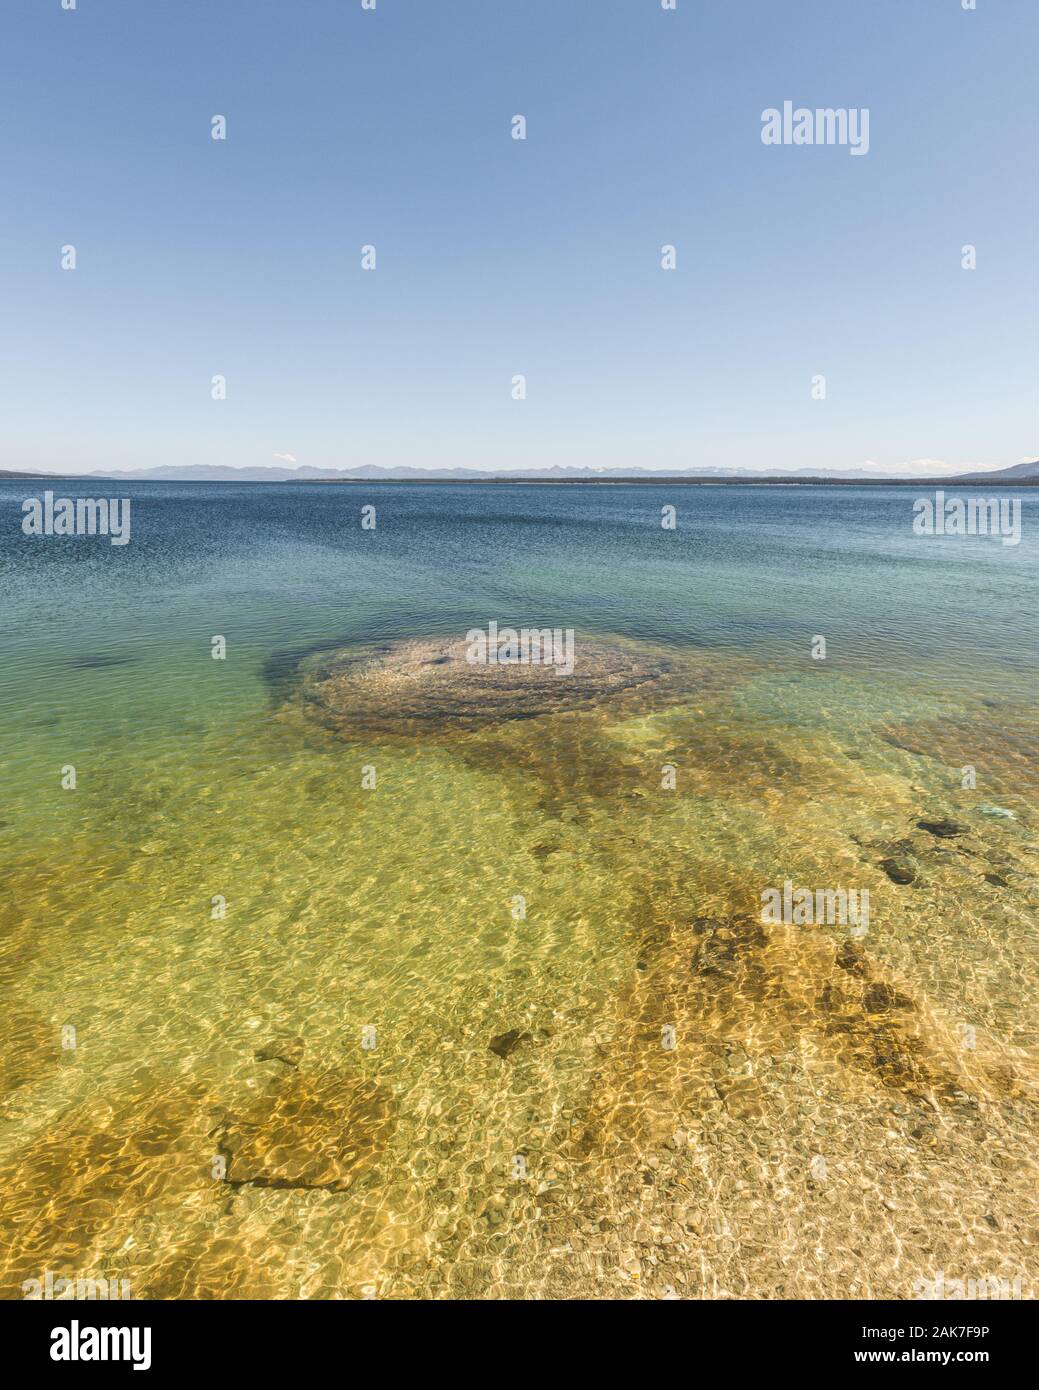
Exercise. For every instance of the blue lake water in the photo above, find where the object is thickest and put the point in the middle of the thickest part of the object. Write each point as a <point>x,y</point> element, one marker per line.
<point>220,906</point>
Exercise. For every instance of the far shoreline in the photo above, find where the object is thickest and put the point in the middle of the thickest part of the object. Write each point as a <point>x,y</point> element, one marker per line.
<point>969,480</point>
<point>670,482</point>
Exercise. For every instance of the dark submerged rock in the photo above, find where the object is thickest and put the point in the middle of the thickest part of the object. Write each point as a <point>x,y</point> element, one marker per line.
<point>899,868</point>
<point>944,829</point>
<point>289,1052</point>
<point>308,1132</point>
<point>505,1044</point>
<point>881,998</point>
<point>852,957</point>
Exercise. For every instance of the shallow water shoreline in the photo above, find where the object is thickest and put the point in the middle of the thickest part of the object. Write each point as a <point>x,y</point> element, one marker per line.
<point>320,1017</point>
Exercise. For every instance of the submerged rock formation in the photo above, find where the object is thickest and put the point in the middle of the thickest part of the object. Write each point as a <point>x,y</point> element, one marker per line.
<point>308,1132</point>
<point>422,685</point>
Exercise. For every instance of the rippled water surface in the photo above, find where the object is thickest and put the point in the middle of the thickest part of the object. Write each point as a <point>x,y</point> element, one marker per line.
<point>318,1049</point>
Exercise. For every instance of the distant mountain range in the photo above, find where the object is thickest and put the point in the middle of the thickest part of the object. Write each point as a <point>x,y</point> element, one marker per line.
<point>207,473</point>
<point>1018,472</point>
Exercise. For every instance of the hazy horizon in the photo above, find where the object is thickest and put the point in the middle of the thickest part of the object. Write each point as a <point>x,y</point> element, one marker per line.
<point>934,471</point>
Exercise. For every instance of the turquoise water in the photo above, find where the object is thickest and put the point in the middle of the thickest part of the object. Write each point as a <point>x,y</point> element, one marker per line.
<point>350,909</point>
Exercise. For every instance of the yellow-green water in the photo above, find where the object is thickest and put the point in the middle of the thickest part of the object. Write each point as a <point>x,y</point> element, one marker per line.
<point>224,1126</point>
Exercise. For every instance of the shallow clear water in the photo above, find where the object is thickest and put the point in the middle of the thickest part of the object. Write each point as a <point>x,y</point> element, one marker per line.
<point>221,1128</point>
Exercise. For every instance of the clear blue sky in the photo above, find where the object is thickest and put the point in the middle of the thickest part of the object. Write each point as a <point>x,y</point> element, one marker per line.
<point>497,256</point>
